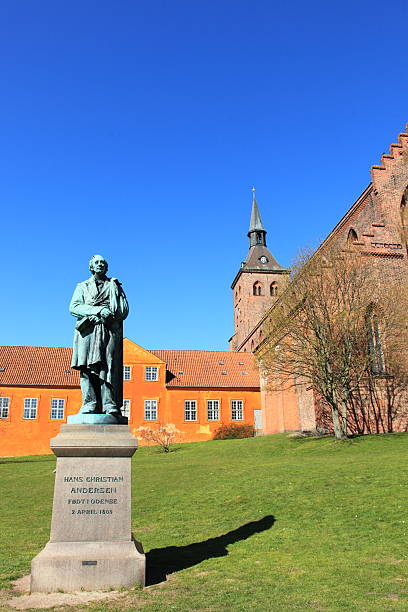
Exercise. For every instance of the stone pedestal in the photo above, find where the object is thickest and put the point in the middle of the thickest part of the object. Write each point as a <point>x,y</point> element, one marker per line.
<point>91,545</point>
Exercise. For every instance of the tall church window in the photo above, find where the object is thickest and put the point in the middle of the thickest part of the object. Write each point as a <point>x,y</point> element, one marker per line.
<point>374,343</point>
<point>257,288</point>
<point>274,288</point>
<point>258,238</point>
<point>404,217</point>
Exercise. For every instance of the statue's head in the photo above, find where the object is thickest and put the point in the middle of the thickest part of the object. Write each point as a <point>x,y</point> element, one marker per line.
<point>98,264</point>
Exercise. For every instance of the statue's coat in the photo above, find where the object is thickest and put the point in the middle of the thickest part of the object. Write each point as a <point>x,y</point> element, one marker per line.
<point>98,347</point>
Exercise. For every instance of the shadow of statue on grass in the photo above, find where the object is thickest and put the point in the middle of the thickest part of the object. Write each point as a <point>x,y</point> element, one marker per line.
<point>163,561</point>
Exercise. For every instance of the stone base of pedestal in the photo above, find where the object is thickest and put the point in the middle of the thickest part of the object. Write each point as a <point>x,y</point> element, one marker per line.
<point>96,419</point>
<point>90,566</point>
<point>91,545</point>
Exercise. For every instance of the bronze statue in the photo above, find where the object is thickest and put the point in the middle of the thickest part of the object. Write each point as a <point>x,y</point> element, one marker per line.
<point>100,305</point>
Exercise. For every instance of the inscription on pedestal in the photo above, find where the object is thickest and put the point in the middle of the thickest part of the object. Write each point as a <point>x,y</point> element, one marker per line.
<point>88,496</point>
<point>82,504</point>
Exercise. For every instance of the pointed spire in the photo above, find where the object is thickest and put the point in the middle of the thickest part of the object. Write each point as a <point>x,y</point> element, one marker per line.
<point>256,221</point>
<point>257,233</point>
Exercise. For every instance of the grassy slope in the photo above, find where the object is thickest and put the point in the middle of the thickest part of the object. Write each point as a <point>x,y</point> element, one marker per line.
<point>337,539</point>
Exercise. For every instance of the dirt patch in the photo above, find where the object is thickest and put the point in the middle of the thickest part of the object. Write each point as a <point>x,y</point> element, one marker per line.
<point>25,601</point>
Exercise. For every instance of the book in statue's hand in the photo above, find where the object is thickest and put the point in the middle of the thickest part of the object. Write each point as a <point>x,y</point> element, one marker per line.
<point>83,325</point>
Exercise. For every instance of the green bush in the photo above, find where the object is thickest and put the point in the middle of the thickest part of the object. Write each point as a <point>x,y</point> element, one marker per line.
<point>233,431</point>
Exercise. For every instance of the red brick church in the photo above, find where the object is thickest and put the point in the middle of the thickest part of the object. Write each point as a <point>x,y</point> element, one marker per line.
<point>376,226</point>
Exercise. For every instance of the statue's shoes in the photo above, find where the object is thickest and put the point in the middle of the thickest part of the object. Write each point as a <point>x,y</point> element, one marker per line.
<point>114,413</point>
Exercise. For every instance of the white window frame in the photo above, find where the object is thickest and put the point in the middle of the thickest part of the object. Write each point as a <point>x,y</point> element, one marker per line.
<point>151,373</point>
<point>150,409</point>
<point>126,408</point>
<point>4,407</point>
<point>190,410</point>
<point>237,410</point>
<point>127,372</point>
<point>213,410</point>
<point>30,408</point>
<point>57,411</point>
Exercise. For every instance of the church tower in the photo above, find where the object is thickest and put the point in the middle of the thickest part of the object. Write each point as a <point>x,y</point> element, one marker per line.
<point>258,283</point>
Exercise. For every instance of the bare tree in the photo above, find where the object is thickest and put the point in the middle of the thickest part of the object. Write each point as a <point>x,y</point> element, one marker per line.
<point>319,332</point>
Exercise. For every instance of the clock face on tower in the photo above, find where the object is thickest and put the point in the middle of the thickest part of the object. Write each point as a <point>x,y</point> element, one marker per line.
<point>263,259</point>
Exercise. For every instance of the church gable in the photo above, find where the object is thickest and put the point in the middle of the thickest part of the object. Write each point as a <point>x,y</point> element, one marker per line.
<point>376,223</point>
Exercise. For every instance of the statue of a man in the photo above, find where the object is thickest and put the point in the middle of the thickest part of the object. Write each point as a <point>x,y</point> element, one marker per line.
<point>100,306</point>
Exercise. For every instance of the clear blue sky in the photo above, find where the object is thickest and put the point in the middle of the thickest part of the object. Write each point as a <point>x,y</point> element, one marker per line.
<point>137,129</point>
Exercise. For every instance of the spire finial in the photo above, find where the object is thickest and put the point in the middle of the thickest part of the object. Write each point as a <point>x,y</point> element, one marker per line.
<point>253,192</point>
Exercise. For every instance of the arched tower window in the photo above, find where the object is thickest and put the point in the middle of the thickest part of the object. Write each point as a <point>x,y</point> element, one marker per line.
<point>273,289</point>
<point>257,288</point>
<point>352,238</point>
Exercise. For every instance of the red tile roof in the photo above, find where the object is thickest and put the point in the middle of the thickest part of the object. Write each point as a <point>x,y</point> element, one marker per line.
<point>215,369</point>
<point>46,366</point>
<point>42,366</point>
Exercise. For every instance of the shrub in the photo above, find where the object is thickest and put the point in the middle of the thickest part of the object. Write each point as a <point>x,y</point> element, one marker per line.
<point>233,431</point>
<point>164,435</point>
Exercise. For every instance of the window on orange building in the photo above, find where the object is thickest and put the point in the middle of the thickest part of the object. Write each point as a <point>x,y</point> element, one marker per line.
<point>127,372</point>
<point>273,288</point>
<point>237,410</point>
<point>190,410</point>
<point>30,408</point>
<point>213,410</point>
<point>57,409</point>
<point>151,373</point>
<point>4,407</point>
<point>126,408</point>
<point>150,410</point>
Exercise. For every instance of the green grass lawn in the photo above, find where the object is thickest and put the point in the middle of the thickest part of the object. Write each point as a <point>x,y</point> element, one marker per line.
<point>267,523</point>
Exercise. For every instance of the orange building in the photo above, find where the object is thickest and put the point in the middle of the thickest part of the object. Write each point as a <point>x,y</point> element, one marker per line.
<point>197,391</point>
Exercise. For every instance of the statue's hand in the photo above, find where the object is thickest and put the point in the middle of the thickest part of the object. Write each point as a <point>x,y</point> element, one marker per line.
<point>94,319</point>
<point>105,313</point>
